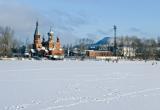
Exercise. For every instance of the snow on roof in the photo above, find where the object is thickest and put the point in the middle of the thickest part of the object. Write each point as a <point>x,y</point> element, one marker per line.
<point>43,48</point>
<point>46,50</point>
<point>33,51</point>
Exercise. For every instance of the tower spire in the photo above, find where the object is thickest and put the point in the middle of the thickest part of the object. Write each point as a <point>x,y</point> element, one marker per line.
<point>50,33</point>
<point>36,30</point>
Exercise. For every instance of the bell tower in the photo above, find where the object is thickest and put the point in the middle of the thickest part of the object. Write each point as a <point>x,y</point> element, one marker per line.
<point>37,38</point>
<point>50,39</point>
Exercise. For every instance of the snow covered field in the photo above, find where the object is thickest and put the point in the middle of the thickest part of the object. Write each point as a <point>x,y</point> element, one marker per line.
<point>79,85</point>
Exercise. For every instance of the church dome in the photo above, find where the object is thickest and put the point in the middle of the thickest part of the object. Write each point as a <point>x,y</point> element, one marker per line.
<point>51,32</point>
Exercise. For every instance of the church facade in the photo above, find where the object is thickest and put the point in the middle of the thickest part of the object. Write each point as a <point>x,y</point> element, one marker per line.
<point>50,48</point>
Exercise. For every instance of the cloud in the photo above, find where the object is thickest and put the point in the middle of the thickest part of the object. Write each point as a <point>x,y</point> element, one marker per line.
<point>105,33</point>
<point>22,19</point>
<point>138,31</point>
<point>66,20</point>
<point>94,37</point>
<point>66,24</point>
<point>67,37</point>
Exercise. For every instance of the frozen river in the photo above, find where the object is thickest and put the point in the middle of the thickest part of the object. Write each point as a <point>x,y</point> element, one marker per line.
<point>79,85</point>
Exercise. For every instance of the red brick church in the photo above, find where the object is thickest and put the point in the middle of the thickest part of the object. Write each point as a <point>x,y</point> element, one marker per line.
<point>47,48</point>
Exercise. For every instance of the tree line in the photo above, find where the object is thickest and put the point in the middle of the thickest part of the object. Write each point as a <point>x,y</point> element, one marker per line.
<point>145,48</point>
<point>8,42</point>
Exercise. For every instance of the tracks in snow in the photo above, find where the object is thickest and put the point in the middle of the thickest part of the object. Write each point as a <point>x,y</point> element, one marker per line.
<point>62,103</point>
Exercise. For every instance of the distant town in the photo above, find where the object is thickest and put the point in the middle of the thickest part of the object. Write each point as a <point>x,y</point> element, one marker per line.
<point>108,48</point>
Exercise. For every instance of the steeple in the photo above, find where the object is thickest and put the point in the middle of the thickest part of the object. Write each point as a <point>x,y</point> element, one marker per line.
<point>37,38</point>
<point>36,30</point>
<point>58,39</point>
<point>50,33</point>
<point>50,39</point>
<point>58,44</point>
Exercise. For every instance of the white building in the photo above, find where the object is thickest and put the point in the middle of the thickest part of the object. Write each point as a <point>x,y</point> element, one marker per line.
<point>128,52</point>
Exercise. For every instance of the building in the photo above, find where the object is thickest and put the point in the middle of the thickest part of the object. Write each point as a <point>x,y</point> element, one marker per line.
<point>37,39</point>
<point>98,54</point>
<point>102,49</point>
<point>47,48</point>
<point>128,51</point>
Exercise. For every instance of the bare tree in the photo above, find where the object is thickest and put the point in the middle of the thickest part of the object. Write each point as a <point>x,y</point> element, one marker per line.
<point>7,41</point>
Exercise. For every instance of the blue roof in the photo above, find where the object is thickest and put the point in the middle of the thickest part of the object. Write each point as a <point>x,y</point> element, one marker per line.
<point>103,41</point>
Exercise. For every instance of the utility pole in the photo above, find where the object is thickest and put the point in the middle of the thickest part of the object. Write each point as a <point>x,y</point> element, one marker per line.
<point>115,42</point>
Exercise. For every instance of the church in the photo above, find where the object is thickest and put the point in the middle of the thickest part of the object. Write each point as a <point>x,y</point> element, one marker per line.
<point>50,48</point>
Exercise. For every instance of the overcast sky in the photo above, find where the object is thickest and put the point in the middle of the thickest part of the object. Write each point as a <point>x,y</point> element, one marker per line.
<point>72,19</point>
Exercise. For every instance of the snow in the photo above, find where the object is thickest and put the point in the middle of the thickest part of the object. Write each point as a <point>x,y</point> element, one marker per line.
<point>79,85</point>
